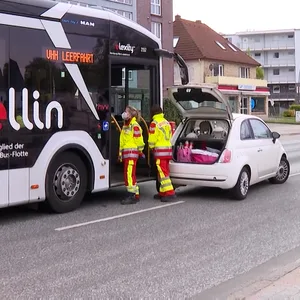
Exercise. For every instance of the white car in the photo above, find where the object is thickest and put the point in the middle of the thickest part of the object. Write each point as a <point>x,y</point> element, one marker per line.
<point>213,147</point>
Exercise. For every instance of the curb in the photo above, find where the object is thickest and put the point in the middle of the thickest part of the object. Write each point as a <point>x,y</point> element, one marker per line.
<point>260,285</point>
<point>255,280</point>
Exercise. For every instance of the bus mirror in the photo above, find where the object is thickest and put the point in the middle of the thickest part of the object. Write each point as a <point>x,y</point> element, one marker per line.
<point>184,73</point>
<point>164,53</point>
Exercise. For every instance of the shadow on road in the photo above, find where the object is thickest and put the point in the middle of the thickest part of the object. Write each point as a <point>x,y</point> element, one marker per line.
<point>35,211</point>
<point>216,194</point>
<point>110,201</point>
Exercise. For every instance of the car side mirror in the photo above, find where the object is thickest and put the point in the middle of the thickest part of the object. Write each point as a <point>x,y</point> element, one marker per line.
<point>275,136</point>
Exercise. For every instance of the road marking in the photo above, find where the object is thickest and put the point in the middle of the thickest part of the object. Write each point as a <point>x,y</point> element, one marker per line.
<point>295,174</point>
<point>117,216</point>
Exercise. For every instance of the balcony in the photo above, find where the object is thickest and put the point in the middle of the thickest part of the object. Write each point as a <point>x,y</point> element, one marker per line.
<point>225,80</point>
<point>270,63</point>
<point>283,95</point>
<point>268,46</point>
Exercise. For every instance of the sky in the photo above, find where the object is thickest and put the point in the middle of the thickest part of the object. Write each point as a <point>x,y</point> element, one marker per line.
<point>231,16</point>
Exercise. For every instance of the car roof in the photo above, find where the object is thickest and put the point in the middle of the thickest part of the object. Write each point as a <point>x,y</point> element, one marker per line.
<point>244,116</point>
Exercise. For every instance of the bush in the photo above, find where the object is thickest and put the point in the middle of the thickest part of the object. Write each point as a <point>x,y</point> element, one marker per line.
<point>289,113</point>
<point>171,112</point>
<point>295,107</point>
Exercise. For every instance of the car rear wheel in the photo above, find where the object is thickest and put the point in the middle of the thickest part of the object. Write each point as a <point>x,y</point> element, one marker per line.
<point>66,183</point>
<point>283,172</point>
<point>240,191</point>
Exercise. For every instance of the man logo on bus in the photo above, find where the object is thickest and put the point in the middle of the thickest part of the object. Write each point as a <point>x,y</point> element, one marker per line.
<point>126,48</point>
<point>36,111</point>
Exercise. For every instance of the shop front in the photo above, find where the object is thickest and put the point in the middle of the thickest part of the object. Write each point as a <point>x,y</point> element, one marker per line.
<point>247,99</point>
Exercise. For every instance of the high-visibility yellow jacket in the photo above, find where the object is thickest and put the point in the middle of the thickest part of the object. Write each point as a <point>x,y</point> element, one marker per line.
<point>131,140</point>
<point>160,133</point>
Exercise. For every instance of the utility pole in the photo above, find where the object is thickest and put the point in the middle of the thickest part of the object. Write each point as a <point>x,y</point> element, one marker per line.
<point>298,88</point>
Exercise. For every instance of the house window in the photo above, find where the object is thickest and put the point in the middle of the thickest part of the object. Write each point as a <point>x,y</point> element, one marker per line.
<point>218,70</point>
<point>292,87</point>
<point>290,36</point>
<point>244,72</point>
<point>291,69</point>
<point>232,47</point>
<point>276,54</point>
<point>257,54</point>
<point>220,45</point>
<point>276,72</point>
<point>156,29</point>
<point>276,89</point>
<point>156,7</point>
<point>129,74</point>
<point>175,41</point>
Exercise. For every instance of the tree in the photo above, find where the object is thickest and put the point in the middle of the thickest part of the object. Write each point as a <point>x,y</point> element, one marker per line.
<point>171,112</point>
<point>259,73</point>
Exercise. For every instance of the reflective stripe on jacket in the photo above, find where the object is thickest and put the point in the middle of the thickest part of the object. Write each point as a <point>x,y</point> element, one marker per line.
<point>131,140</point>
<point>160,133</point>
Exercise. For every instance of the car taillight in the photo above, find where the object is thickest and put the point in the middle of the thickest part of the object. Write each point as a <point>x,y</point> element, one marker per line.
<point>225,156</point>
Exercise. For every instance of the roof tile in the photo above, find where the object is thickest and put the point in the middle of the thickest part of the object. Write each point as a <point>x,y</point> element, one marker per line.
<point>198,41</point>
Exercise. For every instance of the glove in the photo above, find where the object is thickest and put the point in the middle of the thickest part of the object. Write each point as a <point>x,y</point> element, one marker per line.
<point>142,155</point>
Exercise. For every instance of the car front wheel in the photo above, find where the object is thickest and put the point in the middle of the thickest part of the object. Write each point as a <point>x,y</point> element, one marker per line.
<point>240,191</point>
<point>283,172</point>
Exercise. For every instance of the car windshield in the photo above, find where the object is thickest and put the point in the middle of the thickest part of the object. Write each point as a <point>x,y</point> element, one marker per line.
<point>193,98</point>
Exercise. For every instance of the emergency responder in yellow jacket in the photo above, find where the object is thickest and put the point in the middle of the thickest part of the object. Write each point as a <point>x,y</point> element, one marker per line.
<point>160,133</point>
<point>130,149</point>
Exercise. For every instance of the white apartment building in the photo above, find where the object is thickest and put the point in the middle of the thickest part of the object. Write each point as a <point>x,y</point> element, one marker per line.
<point>278,51</point>
<point>125,8</point>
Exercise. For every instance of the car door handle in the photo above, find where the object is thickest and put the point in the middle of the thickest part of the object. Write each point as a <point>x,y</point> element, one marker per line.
<point>259,150</point>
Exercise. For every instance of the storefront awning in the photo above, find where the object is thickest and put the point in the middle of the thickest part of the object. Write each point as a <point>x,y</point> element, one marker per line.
<point>244,93</point>
<point>256,93</point>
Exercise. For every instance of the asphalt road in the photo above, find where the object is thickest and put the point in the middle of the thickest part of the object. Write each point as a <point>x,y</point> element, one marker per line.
<point>174,251</point>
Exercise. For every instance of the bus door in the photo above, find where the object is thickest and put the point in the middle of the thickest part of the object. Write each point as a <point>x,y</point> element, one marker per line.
<point>4,143</point>
<point>4,152</point>
<point>138,87</point>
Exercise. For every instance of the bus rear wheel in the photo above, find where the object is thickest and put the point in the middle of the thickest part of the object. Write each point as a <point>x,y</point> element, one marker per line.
<point>66,183</point>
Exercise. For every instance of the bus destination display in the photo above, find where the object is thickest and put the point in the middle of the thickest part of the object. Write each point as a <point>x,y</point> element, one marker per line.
<point>70,56</point>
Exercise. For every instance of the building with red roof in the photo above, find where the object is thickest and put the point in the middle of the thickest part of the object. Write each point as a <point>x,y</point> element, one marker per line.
<point>213,59</point>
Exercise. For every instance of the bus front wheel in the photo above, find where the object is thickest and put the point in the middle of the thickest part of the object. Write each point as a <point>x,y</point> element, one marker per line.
<point>66,183</point>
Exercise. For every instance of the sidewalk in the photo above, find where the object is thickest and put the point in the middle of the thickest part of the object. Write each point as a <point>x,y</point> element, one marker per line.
<point>286,287</point>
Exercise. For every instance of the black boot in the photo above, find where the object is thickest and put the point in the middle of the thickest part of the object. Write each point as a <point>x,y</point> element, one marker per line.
<point>130,199</point>
<point>157,197</point>
<point>168,198</point>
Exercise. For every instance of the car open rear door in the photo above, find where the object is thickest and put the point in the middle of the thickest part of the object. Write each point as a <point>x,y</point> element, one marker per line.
<point>200,101</point>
